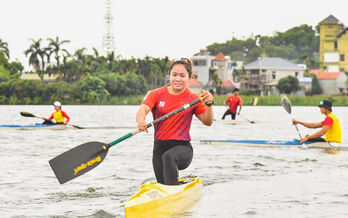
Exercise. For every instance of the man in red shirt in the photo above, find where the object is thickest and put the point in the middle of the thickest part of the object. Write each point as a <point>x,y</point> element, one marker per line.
<point>233,101</point>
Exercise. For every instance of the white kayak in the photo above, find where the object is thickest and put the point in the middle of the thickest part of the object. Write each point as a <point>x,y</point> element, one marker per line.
<point>277,143</point>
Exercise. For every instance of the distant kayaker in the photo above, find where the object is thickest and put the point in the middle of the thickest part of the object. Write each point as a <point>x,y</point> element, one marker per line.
<point>233,101</point>
<point>330,127</point>
<point>59,116</point>
<point>172,148</point>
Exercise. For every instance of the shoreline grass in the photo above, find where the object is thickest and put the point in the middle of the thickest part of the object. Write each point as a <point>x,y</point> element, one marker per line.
<point>219,99</point>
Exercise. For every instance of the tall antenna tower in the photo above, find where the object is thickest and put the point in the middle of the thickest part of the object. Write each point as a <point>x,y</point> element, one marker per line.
<point>108,39</point>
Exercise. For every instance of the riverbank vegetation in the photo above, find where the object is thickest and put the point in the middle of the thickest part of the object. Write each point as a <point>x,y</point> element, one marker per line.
<point>82,78</point>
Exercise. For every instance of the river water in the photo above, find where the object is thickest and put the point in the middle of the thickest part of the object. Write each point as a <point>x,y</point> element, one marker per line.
<point>238,181</point>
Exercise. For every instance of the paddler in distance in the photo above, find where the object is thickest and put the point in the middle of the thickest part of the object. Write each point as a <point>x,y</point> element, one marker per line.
<point>330,127</point>
<point>172,148</point>
<point>59,115</point>
<point>233,101</point>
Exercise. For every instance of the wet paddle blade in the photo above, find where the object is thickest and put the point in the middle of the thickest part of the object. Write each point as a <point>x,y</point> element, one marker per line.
<point>78,127</point>
<point>79,160</point>
<point>26,114</point>
<point>285,102</point>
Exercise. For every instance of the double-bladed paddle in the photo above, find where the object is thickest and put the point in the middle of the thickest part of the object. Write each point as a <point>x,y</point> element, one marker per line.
<point>84,157</point>
<point>27,114</point>
<point>285,102</point>
<point>254,103</point>
<point>250,121</point>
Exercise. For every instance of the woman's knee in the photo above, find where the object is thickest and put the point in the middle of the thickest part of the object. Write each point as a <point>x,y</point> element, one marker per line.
<point>168,158</point>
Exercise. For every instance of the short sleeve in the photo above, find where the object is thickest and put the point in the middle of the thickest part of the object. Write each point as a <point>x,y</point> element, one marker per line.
<point>200,108</point>
<point>151,98</point>
<point>328,121</point>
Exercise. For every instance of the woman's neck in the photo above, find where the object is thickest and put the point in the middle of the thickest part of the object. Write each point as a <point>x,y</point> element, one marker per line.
<point>175,92</point>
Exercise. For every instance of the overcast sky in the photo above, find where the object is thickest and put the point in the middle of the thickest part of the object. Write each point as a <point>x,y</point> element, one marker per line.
<point>155,27</point>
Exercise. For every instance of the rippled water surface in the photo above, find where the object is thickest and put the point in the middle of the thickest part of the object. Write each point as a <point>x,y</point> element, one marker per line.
<point>238,181</point>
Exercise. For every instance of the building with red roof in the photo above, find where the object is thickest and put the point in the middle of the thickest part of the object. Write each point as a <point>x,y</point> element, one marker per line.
<point>205,65</point>
<point>195,86</point>
<point>220,57</point>
<point>227,84</point>
<point>223,66</point>
<point>331,83</point>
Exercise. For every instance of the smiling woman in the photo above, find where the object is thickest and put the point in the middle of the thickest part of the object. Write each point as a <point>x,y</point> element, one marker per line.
<point>172,148</point>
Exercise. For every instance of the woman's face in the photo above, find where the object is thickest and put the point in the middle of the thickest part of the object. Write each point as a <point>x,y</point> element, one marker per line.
<point>56,108</point>
<point>179,77</point>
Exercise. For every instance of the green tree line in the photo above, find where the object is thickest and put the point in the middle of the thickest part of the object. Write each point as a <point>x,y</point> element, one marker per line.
<point>299,44</point>
<point>94,78</point>
<point>80,77</point>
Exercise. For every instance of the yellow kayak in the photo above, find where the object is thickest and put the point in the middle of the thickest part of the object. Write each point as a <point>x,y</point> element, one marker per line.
<point>158,200</point>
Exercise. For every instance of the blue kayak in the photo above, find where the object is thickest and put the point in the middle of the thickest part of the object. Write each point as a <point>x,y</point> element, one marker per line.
<point>277,143</point>
<point>34,126</point>
<point>271,143</point>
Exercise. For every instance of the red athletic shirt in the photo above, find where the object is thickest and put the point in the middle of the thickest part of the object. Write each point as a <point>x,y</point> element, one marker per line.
<point>177,127</point>
<point>328,121</point>
<point>234,102</point>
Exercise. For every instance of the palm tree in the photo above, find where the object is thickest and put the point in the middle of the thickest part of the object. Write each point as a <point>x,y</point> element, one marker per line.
<point>81,57</point>
<point>35,52</point>
<point>96,53</point>
<point>4,48</point>
<point>55,46</point>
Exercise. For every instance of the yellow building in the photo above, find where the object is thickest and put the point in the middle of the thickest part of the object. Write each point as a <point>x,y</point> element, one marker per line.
<point>333,45</point>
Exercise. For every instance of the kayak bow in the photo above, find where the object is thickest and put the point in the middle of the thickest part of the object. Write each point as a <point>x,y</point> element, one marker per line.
<point>158,200</point>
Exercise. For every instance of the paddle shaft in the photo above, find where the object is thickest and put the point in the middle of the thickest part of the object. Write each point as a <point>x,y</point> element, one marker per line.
<point>299,134</point>
<point>285,102</point>
<point>186,106</point>
<point>83,158</point>
<point>250,121</point>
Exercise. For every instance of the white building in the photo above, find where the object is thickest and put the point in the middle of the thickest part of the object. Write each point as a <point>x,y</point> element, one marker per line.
<point>331,83</point>
<point>201,65</point>
<point>305,85</point>
<point>223,66</point>
<point>262,75</point>
<point>204,65</point>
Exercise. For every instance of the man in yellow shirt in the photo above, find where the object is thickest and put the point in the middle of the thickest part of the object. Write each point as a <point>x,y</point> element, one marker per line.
<point>330,127</point>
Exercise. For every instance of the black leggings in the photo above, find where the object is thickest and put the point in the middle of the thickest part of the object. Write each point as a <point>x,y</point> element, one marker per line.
<point>233,115</point>
<point>169,157</point>
<point>50,122</point>
<point>317,140</point>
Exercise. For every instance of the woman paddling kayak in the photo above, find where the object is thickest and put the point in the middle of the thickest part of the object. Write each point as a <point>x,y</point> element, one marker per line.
<point>59,116</point>
<point>172,148</point>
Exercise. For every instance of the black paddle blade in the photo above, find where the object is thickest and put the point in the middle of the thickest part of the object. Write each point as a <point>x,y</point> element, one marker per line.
<point>26,114</point>
<point>285,102</point>
<point>78,127</point>
<point>78,160</point>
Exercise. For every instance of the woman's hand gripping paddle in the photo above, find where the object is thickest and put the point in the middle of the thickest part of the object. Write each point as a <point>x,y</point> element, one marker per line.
<point>83,158</point>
